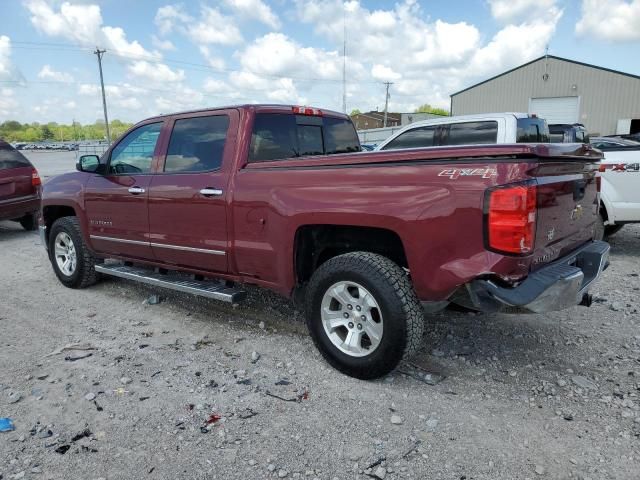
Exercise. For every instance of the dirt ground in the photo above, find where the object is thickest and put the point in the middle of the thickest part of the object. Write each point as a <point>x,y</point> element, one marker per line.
<point>175,390</point>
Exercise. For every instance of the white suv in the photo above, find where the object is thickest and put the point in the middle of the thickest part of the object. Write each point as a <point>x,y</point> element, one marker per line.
<point>487,128</point>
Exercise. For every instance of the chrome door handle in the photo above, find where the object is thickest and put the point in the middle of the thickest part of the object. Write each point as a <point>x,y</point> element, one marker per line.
<point>211,192</point>
<point>136,190</point>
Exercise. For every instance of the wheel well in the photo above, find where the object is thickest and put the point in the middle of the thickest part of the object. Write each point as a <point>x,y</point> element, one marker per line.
<point>603,211</point>
<point>53,212</point>
<point>315,244</point>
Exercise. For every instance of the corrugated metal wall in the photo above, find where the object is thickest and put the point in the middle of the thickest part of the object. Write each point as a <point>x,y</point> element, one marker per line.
<point>605,96</point>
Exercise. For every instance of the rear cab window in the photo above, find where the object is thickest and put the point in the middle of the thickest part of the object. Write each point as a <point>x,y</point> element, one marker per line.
<point>280,136</point>
<point>535,130</point>
<point>11,158</point>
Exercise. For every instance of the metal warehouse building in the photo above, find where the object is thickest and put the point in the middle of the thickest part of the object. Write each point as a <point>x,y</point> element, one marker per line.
<point>562,91</point>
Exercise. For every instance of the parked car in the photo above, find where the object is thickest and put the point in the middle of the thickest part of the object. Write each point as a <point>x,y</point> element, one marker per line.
<point>568,133</point>
<point>478,129</point>
<point>620,192</point>
<point>206,201</point>
<point>19,188</point>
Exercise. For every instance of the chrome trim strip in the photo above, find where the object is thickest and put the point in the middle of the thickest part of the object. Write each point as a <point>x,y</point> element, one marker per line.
<point>120,240</point>
<point>188,249</point>
<point>159,245</point>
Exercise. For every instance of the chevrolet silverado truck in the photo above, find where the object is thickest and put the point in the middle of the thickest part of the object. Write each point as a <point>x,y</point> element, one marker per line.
<point>281,197</point>
<point>620,195</point>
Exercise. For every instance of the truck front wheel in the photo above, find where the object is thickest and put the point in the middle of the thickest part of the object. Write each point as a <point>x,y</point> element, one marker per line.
<point>363,314</point>
<point>73,263</point>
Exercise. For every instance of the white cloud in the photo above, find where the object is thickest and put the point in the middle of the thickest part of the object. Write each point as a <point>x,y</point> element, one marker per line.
<point>257,10</point>
<point>155,73</point>
<point>384,74</point>
<point>213,61</point>
<point>612,20</point>
<point>48,73</point>
<point>214,27</point>
<point>8,71</point>
<point>162,44</point>
<point>276,54</point>
<point>168,16</point>
<point>428,59</point>
<point>8,104</point>
<point>510,11</point>
<point>82,24</point>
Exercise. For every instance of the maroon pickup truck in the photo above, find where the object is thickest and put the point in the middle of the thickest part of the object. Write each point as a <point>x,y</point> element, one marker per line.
<point>281,197</point>
<point>19,188</point>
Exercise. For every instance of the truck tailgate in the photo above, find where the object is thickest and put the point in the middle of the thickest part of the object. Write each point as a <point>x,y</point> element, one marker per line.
<point>567,201</point>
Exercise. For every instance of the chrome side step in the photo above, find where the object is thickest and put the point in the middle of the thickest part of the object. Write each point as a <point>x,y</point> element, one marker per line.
<point>203,288</point>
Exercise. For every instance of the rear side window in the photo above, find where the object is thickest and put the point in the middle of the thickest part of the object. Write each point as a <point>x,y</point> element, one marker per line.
<point>11,158</point>
<point>582,136</point>
<point>414,138</point>
<point>279,136</point>
<point>472,133</point>
<point>536,130</point>
<point>197,144</point>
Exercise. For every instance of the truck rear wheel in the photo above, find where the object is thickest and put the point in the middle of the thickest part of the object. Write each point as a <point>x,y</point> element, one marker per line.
<point>72,261</point>
<point>363,314</point>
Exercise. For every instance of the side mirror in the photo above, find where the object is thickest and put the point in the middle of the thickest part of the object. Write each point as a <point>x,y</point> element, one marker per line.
<point>88,163</point>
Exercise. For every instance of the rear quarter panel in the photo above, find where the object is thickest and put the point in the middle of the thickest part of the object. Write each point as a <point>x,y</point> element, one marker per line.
<point>18,197</point>
<point>435,207</point>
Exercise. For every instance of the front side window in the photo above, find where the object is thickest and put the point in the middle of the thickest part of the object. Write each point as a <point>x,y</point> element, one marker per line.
<point>134,153</point>
<point>197,144</point>
<point>472,133</point>
<point>414,138</point>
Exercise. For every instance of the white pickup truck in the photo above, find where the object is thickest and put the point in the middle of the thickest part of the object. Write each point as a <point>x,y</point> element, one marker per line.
<point>620,190</point>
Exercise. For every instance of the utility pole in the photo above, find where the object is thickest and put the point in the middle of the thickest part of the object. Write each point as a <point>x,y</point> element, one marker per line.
<point>99,53</point>
<point>386,103</point>
<point>344,61</point>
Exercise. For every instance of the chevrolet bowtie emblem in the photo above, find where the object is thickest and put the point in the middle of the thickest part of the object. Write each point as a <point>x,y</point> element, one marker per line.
<point>577,212</point>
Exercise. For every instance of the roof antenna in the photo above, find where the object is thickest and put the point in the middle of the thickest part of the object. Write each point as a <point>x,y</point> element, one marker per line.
<point>344,60</point>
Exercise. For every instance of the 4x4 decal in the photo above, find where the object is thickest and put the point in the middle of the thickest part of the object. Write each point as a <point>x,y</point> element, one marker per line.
<point>455,173</point>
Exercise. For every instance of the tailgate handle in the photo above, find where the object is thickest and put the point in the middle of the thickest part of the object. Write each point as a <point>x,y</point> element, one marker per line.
<point>579,188</point>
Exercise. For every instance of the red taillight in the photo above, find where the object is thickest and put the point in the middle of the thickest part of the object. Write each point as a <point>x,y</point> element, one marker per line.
<point>511,219</point>
<point>307,111</point>
<point>35,178</point>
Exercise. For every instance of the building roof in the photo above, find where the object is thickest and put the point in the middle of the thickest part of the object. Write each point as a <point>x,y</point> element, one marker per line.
<point>540,58</point>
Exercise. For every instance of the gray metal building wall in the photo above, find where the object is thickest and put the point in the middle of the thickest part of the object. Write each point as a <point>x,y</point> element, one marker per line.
<point>605,96</point>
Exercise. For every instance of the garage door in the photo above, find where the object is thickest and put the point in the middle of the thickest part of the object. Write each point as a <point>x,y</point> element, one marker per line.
<point>556,109</point>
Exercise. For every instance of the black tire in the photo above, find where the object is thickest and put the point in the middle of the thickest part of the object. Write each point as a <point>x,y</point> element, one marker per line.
<point>600,228</point>
<point>84,274</point>
<point>29,222</point>
<point>612,230</point>
<point>399,306</point>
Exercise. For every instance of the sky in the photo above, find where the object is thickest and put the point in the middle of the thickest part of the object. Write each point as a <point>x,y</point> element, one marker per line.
<point>165,56</point>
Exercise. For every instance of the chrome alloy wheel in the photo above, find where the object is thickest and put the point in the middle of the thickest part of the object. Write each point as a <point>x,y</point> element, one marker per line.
<point>65,254</point>
<point>352,319</point>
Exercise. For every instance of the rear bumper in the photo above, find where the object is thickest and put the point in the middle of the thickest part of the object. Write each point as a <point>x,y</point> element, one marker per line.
<point>561,284</point>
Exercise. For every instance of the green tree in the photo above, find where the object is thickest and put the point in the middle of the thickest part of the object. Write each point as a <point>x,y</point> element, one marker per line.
<point>426,108</point>
<point>46,132</point>
<point>355,111</point>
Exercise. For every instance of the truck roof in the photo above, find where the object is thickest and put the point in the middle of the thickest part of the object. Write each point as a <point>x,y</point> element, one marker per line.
<point>257,107</point>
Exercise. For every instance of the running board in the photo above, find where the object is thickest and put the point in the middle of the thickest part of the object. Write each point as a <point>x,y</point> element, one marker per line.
<point>203,288</point>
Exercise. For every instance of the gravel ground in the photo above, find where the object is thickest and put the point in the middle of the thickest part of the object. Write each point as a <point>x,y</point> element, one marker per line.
<point>175,390</point>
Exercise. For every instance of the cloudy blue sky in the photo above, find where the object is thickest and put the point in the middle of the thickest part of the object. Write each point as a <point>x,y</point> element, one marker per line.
<point>164,56</point>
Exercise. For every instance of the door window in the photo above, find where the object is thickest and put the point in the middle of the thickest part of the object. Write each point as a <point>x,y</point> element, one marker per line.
<point>414,138</point>
<point>197,144</point>
<point>472,133</point>
<point>134,153</point>
<point>278,136</point>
